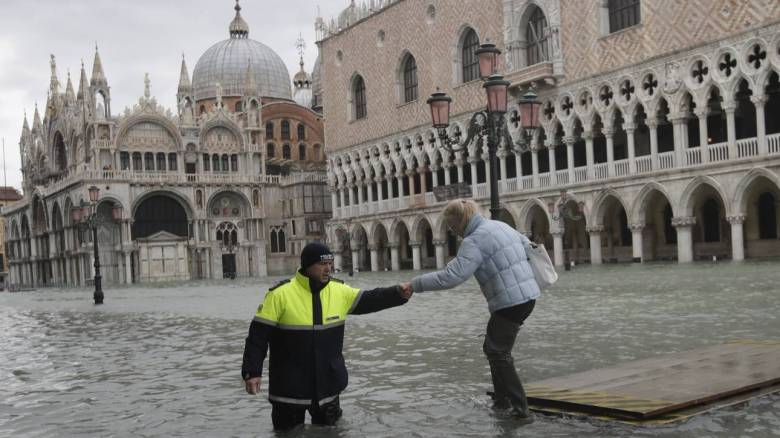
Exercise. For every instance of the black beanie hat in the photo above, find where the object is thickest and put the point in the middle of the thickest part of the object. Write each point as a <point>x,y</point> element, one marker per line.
<point>313,253</point>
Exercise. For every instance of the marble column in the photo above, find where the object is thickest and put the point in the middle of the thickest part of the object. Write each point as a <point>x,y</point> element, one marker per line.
<point>608,135</point>
<point>551,156</point>
<point>705,152</point>
<point>473,163</point>
<point>731,127</point>
<point>588,136</point>
<point>569,141</point>
<point>447,177</point>
<point>434,175</point>
<point>128,267</point>
<point>684,227</point>
<point>760,103</point>
<point>636,242</point>
<point>595,244</point>
<point>395,263</point>
<point>558,247</point>
<point>535,167</point>
<point>652,126</point>
<point>356,258</point>
<point>439,247</point>
<point>737,236</point>
<point>374,258</point>
<point>630,128</point>
<point>416,256</point>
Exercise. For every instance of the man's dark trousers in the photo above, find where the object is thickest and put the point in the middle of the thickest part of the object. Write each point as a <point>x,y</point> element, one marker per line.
<point>502,331</point>
<point>286,416</point>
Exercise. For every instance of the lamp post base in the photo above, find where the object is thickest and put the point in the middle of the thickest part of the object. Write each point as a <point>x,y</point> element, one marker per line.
<point>98,295</point>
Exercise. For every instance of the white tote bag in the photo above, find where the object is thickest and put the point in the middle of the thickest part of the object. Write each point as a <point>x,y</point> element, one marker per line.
<point>544,270</point>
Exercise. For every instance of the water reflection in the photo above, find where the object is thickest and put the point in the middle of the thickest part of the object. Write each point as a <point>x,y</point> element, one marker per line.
<point>164,361</point>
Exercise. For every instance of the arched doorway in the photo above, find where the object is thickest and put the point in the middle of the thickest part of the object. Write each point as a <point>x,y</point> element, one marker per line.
<point>659,236</point>
<point>575,237</point>
<point>760,205</point>
<point>404,248</point>
<point>711,233</point>
<point>161,230</point>
<point>381,244</point>
<point>616,235</point>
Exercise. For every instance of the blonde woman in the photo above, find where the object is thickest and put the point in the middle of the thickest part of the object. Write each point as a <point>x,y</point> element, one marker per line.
<point>495,254</point>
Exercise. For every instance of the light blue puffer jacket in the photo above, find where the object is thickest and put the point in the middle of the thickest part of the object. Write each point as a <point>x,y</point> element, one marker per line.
<point>495,254</point>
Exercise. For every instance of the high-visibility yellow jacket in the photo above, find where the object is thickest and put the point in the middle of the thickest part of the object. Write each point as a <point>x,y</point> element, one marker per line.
<point>303,322</point>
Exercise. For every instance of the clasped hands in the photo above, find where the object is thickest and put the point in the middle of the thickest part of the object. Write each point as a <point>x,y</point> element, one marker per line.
<point>405,289</point>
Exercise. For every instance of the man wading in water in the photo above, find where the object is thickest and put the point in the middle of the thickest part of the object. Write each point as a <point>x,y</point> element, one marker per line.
<point>302,320</point>
<point>495,254</point>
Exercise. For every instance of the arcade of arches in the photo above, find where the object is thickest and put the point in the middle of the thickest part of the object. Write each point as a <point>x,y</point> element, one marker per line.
<point>704,221</point>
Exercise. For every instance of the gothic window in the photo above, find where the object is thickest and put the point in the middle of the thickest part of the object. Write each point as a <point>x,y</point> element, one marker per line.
<point>537,48</point>
<point>302,152</point>
<point>256,198</point>
<point>202,109</point>
<point>172,161</point>
<point>286,152</point>
<point>270,150</point>
<point>161,161</point>
<point>206,162</point>
<point>410,79</point>
<point>137,161</point>
<point>124,160</point>
<point>278,243</point>
<point>623,14</point>
<point>215,163</point>
<point>469,60</point>
<point>282,241</point>
<point>274,242</point>
<point>234,163</point>
<point>148,161</point>
<point>285,130</point>
<point>301,131</point>
<point>239,106</point>
<point>359,97</point>
<point>269,130</point>
<point>225,165</point>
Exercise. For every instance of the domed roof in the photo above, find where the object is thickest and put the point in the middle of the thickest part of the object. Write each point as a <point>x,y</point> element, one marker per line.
<point>225,63</point>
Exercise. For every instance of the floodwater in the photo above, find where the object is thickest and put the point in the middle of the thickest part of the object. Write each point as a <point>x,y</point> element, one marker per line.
<point>164,361</point>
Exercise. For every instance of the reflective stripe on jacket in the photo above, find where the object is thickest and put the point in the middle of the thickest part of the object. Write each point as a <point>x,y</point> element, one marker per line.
<point>305,331</point>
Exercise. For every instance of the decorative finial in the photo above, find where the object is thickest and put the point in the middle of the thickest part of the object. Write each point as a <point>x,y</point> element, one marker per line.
<point>147,82</point>
<point>237,7</point>
<point>300,44</point>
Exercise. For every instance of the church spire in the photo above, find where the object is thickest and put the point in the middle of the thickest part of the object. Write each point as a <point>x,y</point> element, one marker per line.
<point>238,27</point>
<point>37,125</point>
<point>70,95</point>
<point>98,77</point>
<point>184,78</point>
<point>250,85</point>
<point>25,127</point>
<point>54,84</point>
<point>83,83</point>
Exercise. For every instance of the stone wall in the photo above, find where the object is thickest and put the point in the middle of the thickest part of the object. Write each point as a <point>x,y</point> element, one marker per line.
<point>374,49</point>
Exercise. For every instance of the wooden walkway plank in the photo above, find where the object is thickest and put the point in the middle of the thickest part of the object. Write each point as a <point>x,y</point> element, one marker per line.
<point>651,387</point>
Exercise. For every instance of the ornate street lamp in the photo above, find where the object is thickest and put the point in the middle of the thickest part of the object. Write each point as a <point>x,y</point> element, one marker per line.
<point>85,216</point>
<point>488,125</point>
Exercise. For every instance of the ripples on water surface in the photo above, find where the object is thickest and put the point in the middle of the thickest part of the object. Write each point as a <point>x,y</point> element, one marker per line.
<point>164,361</point>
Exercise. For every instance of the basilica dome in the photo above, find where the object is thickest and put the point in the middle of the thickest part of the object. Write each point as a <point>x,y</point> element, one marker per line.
<point>226,62</point>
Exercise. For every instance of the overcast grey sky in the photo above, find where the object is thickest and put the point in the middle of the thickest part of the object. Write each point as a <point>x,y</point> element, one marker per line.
<point>134,37</point>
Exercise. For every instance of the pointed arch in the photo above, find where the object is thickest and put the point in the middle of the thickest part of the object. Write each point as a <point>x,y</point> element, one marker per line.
<point>638,209</point>
<point>685,204</point>
<point>739,196</point>
<point>601,203</point>
<point>524,217</point>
